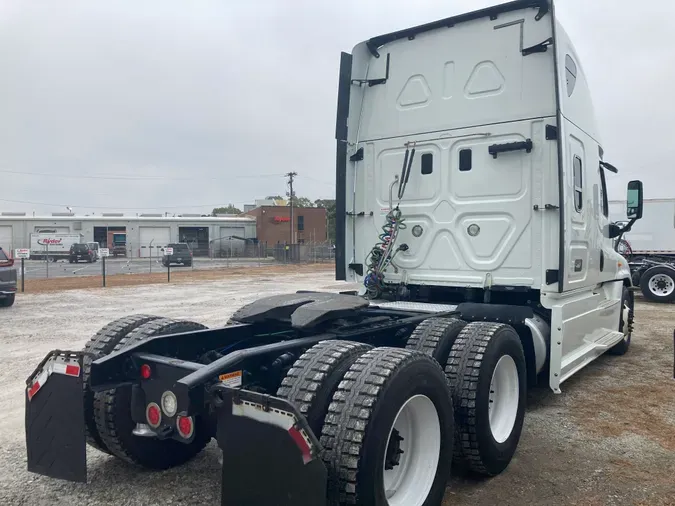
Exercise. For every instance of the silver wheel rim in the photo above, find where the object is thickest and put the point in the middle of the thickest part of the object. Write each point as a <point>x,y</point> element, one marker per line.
<point>504,398</point>
<point>661,285</point>
<point>409,482</point>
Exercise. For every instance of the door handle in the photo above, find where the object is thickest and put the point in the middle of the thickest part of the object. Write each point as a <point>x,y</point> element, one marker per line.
<point>495,149</point>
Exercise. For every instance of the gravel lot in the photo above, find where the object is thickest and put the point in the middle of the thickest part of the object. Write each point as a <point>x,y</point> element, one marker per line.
<point>609,439</point>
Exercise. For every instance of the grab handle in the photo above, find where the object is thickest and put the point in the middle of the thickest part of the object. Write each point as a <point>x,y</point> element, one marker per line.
<point>495,149</point>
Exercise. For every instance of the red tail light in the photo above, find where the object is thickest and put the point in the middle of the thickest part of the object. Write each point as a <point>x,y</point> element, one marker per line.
<point>146,371</point>
<point>186,426</point>
<point>7,263</point>
<point>153,415</point>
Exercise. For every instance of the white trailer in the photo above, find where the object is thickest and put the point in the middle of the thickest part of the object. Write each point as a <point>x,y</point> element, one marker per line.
<point>654,234</point>
<point>52,246</point>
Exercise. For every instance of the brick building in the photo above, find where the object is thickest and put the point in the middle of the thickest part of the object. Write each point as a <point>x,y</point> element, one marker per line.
<point>273,224</point>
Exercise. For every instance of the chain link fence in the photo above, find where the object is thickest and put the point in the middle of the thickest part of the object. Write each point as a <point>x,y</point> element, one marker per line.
<point>148,259</point>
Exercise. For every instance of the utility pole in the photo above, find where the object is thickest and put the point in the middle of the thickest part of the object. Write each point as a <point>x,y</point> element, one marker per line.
<point>291,195</point>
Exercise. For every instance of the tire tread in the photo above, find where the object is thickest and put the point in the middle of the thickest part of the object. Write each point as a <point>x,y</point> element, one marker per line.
<point>101,344</point>
<point>105,402</point>
<point>463,372</point>
<point>347,422</point>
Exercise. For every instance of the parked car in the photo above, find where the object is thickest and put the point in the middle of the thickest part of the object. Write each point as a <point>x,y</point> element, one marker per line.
<point>7,279</point>
<point>181,255</point>
<point>81,251</point>
<point>94,246</point>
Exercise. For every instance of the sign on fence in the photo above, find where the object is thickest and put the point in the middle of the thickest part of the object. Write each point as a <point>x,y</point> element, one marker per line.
<point>168,251</point>
<point>104,252</point>
<point>22,253</point>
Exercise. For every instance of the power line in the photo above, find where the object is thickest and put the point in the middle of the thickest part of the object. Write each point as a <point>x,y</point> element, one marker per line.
<point>135,178</point>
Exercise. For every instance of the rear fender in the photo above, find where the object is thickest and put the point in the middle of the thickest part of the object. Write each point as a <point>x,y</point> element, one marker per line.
<point>270,455</point>
<point>55,437</point>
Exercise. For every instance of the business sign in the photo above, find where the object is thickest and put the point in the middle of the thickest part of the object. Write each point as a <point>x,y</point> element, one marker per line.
<point>168,251</point>
<point>22,253</point>
<point>49,241</point>
<point>281,219</point>
<point>104,252</point>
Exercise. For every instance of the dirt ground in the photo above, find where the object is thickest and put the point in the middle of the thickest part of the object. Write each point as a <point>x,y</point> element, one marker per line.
<point>178,275</point>
<point>608,439</point>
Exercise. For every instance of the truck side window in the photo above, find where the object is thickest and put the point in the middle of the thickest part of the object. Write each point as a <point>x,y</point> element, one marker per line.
<point>570,74</point>
<point>603,196</point>
<point>427,163</point>
<point>465,160</point>
<point>578,185</point>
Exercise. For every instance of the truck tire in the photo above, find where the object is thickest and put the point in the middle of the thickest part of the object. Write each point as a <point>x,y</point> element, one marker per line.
<point>388,435</point>
<point>103,343</point>
<point>7,301</point>
<point>488,378</point>
<point>112,412</point>
<point>314,378</point>
<point>435,337</point>
<point>658,284</point>
<point>625,325</point>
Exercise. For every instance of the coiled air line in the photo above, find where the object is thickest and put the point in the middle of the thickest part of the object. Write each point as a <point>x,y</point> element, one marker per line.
<point>383,253</point>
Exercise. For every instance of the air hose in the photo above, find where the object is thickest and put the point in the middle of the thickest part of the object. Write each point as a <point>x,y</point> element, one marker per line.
<point>383,253</point>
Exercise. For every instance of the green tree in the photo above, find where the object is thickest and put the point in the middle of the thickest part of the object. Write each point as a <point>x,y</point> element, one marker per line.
<point>329,205</point>
<point>230,209</point>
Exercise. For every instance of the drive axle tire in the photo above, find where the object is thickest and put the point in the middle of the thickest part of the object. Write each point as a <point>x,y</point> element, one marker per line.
<point>435,337</point>
<point>103,343</point>
<point>112,412</point>
<point>488,377</point>
<point>314,377</point>
<point>658,284</point>
<point>625,323</point>
<point>388,435</point>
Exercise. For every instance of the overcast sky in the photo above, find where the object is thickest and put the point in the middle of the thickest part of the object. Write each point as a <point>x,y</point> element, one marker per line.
<point>184,103</point>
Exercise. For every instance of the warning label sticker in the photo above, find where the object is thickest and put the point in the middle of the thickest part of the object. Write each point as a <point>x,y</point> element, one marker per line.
<point>231,379</point>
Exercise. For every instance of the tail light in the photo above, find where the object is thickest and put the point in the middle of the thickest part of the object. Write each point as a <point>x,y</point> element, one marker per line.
<point>7,263</point>
<point>146,371</point>
<point>153,414</point>
<point>186,426</point>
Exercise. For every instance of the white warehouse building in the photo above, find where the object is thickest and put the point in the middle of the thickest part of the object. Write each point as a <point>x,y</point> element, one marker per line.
<point>145,234</point>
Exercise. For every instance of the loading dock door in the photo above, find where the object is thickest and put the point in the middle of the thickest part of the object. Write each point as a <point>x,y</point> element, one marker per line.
<point>154,239</point>
<point>6,242</point>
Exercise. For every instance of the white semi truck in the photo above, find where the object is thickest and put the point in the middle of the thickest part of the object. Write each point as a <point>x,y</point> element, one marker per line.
<point>471,209</point>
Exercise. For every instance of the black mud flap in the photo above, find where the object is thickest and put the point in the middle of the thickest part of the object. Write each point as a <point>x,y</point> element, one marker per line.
<point>270,455</point>
<point>55,439</point>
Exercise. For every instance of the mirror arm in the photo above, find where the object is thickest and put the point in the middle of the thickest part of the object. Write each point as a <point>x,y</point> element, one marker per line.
<point>625,229</point>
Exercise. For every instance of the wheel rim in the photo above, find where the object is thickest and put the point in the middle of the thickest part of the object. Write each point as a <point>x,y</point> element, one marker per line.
<point>413,452</point>
<point>661,285</point>
<point>504,398</point>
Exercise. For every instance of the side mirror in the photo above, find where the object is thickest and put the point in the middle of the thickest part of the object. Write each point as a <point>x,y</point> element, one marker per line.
<point>613,230</point>
<point>634,200</point>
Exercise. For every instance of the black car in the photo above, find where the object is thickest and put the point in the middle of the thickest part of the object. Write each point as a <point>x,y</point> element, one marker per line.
<point>7,279</point>
<point>81,251</point>
<point>181,255</point>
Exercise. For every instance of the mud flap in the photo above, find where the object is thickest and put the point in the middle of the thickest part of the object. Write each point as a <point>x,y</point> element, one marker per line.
<point>270,455</point>
<point>55,438</point>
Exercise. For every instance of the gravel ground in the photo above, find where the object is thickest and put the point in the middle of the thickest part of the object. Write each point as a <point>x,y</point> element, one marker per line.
<point>609,439</point>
